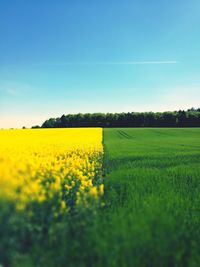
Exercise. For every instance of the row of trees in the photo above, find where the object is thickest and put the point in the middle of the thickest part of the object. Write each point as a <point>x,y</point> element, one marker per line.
<point>181,118</point>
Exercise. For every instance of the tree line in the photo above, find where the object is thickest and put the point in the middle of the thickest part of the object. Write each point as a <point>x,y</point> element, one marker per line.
<point>181,118</point>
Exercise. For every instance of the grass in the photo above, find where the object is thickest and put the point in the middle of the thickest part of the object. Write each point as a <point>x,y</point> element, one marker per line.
<point>152,197</point>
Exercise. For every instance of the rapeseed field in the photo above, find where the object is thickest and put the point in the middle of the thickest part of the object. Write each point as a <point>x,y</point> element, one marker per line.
<point>61,166</point>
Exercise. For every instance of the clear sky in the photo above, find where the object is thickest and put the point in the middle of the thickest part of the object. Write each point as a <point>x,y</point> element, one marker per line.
<point>63,56</point>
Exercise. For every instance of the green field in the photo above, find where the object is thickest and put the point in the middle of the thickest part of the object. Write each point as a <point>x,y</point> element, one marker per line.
<point>153,196</point>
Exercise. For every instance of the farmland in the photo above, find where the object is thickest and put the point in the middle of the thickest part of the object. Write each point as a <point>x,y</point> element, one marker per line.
<point>152,193</point>
<point>45,175</point>
<point>61,205</point>
<point>37,166</point>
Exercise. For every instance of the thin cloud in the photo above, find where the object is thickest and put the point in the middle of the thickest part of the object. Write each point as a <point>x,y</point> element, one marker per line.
<point>108,63</point>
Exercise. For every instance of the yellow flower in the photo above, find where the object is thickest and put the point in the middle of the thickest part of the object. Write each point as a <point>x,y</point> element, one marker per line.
<point>101,189</point>
<point>36,166</point>
<point>93,191</point>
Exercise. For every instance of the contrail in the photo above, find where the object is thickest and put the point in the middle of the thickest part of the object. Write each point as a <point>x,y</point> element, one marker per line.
<point>107,63</point>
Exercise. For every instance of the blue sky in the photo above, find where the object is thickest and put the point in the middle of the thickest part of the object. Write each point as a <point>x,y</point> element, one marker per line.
<point>59,57</point>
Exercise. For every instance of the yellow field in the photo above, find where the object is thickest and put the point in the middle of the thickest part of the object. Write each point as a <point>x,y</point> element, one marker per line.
<point>62,166</point>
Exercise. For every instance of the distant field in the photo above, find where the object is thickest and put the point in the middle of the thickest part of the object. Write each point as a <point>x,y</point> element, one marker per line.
<point>152,190</point>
